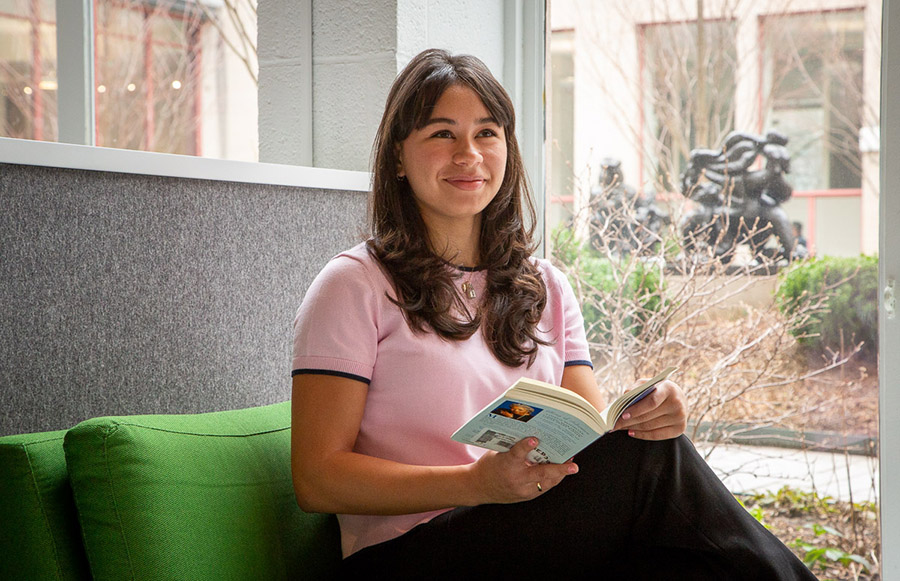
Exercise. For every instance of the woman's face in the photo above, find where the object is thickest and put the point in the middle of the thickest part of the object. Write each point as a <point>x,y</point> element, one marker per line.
<point>456,162</point>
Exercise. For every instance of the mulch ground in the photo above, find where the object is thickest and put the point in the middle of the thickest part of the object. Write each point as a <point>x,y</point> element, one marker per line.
<point>836,537</point>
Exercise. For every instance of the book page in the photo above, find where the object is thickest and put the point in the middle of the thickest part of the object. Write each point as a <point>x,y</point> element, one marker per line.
<point>583,410</point>
<point>507,421</point>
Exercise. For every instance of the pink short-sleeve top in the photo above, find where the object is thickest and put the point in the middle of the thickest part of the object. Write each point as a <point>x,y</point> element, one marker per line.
<point>421,388</point>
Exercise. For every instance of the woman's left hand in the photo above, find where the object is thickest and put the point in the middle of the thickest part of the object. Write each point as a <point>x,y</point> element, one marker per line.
<point>659,416</point>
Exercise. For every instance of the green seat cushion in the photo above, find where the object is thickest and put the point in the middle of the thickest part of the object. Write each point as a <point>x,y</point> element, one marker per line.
<point>39,535</point>
<point>199,496</point>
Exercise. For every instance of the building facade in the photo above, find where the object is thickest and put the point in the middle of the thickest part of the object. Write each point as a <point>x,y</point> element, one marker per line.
<point>647,81</point>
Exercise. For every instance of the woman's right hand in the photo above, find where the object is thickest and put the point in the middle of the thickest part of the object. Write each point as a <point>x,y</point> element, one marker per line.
<point>508,477</point>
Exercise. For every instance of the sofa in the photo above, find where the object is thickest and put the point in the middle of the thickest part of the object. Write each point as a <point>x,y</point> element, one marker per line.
<point>168,497</point>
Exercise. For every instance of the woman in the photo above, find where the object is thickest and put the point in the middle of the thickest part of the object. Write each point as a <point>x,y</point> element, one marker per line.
<point>401,339</point>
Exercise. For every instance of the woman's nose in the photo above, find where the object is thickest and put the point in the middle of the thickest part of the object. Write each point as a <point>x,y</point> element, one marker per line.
<point>466,152</point>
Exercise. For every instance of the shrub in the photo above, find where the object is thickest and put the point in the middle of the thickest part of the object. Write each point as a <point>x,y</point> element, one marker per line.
<point>619,296</point>
<point>849,312</point>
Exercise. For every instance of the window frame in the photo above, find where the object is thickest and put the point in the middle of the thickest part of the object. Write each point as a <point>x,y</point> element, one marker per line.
<point>75,72</point>
<point>524,30</point>
<point>888,323</point>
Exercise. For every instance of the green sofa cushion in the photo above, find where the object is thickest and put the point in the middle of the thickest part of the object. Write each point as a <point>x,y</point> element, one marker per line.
<point>39,534</point>
<point>200,496</point>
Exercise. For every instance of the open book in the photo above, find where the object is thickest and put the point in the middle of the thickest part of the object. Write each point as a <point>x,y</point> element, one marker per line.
<point>564,422</point>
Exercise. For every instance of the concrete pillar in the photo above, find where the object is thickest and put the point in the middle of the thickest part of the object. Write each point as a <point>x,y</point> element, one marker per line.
<point>326,67</point>
<point>284,39</point>
<point>355,53</point>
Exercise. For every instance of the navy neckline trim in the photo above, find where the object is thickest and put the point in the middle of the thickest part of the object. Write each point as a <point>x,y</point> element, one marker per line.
<point>467,268</point>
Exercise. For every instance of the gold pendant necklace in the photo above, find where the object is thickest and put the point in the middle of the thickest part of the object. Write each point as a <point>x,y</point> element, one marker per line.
<point>469,290</point>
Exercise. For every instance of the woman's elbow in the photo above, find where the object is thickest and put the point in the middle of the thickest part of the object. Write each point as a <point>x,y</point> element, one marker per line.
<point>309,499</point>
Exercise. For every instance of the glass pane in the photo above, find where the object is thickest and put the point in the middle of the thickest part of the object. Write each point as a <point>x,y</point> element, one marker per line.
<point>688,106</point>
<point>170,29</point>
<point>28,86</point>
<point>561,194</point>
<point>121,85</point>
<point>815,74</point>
<point>721,164</point>
<point>174,103</point>
<point>21,8</point>
<point>180,69</point>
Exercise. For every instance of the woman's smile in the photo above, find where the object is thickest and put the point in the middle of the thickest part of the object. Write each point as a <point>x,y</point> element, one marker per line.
<point>468,183</point>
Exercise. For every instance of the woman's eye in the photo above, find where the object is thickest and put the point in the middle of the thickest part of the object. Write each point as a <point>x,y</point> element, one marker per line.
<point>487,133</point>
<point>443,134</point>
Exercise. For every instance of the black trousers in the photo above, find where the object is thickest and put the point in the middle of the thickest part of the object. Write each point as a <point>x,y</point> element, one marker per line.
<point>635,510</point>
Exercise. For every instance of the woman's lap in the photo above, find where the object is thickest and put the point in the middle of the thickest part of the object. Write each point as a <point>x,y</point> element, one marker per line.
<point>635,509</point>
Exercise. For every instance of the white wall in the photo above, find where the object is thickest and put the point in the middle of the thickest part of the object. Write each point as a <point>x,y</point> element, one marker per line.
<point>229,123</point>
<point>358,49</point>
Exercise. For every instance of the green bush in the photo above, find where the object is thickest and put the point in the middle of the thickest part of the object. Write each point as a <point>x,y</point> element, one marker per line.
<point>634,303</point>
<point>598,282</point>
<point>566,249</point>
<point>850,288</point>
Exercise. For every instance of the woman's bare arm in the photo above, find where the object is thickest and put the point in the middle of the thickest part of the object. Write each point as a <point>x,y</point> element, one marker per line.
<point>330,477</point>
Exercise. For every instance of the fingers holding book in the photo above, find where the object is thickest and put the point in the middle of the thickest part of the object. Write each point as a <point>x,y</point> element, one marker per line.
<point>659,416</point>
<point>508,477</point>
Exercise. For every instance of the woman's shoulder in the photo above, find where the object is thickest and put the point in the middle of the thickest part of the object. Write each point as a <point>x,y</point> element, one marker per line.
<point>353,267</point>
<point>553,276</point>
<point>353,261</point>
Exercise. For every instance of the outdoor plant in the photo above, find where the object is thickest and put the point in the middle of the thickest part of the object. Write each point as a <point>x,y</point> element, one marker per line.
<point>822,557</point>
<point>646,308</point>
<point>819,541</point>
<point>741,363</point>
<point>605,283</point>
<point>849,313</point>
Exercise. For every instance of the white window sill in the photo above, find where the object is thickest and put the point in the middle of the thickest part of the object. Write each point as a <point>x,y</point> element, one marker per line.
<point>64,155</point>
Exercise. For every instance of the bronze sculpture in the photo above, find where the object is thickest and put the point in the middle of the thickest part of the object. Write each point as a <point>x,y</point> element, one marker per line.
<point>737,205</point>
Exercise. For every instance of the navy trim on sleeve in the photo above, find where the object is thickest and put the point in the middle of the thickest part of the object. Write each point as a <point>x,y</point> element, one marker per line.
<point>579,362</point>
<point>365,380</point>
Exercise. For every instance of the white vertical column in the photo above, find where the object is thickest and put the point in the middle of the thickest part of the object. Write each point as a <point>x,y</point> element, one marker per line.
<point>326,67</point>
<point>355,52</point>
<point>889,277</point>
<point>75,71</point>
<point>524,76</point>
<point>748,74</point>
<point>285,82</point>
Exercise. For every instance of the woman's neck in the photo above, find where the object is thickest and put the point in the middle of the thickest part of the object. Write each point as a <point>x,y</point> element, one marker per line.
<point>459,244</point>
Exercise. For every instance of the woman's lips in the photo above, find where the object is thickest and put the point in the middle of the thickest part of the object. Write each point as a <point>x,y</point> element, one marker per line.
<point>466,183</point>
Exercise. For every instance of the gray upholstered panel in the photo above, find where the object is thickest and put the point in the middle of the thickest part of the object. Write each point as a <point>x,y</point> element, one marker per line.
<point>126,294</point>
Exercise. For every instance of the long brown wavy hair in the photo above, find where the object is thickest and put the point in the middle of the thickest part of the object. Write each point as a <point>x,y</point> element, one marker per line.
<point>515,293</point>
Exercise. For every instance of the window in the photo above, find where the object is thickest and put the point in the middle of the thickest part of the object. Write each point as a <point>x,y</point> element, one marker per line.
<point>171,76</point>
<point>813,82</point>
<point>813,92</point>
<point>561,194</point>
<point>647,82</point>
<point>686,105</point>
<point>28,69</point>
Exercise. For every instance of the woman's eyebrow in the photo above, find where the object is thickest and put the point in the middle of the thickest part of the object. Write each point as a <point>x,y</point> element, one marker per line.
<point>448,121</point>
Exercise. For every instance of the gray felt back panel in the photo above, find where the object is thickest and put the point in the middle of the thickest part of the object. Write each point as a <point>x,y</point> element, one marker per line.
<point>126,294</point>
